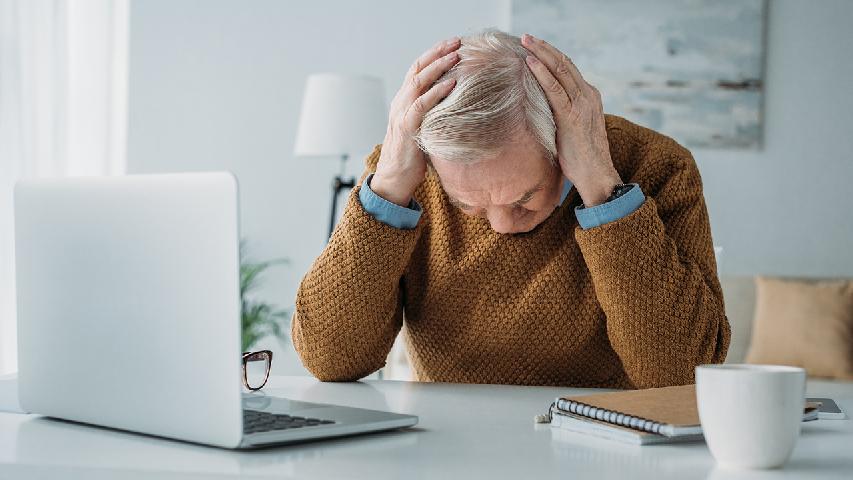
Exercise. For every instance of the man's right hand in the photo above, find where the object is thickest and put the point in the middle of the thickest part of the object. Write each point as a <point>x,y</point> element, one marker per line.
<point>402,164</point>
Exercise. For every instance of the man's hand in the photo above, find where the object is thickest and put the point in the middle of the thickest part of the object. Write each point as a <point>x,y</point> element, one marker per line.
<point>582,145</point>
<point>402,165</point>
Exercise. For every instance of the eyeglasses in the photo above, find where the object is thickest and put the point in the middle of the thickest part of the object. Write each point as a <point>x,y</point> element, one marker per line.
<point>256,369</point>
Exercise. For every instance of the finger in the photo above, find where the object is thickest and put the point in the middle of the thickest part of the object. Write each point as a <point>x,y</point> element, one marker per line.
<point>429,75</point>
<point>425,102</point>
<point>554,90</point>
<point>553,57</point>
<point>558,63</point>
<point>437,51</point>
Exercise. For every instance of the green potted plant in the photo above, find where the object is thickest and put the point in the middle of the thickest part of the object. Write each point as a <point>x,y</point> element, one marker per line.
<point>258,318</point>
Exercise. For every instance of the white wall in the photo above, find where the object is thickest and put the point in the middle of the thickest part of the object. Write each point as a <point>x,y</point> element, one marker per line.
<point>788,209</point>
<point>218,84</point>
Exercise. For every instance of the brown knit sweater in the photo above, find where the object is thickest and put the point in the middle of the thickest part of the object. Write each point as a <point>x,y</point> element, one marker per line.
<point>634,303</point>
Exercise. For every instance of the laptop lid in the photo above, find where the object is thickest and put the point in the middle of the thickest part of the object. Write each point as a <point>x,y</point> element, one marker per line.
<point>129,304</point>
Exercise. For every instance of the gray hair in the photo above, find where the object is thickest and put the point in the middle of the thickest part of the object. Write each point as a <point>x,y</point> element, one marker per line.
<point>496,97</point>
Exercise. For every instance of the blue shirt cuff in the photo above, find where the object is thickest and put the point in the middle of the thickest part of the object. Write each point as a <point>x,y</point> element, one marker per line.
<point>615,209</point>
<point>387,212</point>
<point>567,186</point>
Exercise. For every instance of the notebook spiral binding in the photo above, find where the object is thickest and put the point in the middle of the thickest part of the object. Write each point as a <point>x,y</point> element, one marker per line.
<point>609,416</point>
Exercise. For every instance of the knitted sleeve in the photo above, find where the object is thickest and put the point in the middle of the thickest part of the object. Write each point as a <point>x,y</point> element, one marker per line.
<point>655,277</point>
<point>348,305</point>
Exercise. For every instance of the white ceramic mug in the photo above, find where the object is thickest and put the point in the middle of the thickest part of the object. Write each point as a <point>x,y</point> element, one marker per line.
<point>750,414</point>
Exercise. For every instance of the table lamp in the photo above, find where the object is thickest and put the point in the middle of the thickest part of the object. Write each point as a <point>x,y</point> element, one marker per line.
<point>341,115</point>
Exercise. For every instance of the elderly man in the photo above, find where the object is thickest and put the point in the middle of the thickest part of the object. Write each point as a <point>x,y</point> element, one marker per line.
<point>524,236</point>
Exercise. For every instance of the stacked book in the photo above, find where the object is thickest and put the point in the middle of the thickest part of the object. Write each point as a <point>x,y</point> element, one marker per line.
<point>651,416</point>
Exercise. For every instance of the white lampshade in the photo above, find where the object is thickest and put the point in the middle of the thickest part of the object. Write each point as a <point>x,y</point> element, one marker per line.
<point>341,115</point>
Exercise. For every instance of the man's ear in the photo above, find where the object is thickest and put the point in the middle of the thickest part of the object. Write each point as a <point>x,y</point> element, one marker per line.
<point>432,171</point>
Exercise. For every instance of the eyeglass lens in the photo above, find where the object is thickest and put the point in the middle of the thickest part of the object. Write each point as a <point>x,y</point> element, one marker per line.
<point>257,369</point>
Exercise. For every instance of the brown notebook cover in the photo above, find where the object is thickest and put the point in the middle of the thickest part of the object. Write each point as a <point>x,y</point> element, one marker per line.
<point>666,405</point>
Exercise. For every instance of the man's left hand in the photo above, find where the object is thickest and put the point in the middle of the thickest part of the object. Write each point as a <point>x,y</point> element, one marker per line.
<point>582,145</point>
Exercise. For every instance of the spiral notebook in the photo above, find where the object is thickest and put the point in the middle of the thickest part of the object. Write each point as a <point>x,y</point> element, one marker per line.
<point>667,411</point>
<point>654,415</point>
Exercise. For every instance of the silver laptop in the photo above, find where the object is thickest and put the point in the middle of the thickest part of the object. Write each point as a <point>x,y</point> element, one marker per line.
<point>129,314</point>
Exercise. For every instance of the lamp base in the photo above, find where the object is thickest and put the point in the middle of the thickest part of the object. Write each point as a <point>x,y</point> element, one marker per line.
<point>338,184</point>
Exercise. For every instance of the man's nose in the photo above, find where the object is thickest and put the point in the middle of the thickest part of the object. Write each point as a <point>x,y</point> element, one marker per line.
<point>501,220</point>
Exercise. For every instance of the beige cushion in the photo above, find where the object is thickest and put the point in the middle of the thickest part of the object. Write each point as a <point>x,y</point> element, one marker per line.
<point>807,324</point>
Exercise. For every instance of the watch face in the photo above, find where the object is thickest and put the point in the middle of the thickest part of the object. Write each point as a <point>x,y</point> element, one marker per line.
<point>618,191</point>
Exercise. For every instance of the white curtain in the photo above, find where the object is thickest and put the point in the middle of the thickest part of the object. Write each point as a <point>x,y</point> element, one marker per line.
<point>63,109</point>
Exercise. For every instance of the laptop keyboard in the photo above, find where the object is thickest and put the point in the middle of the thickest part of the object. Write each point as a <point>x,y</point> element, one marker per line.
<point>255,421</point>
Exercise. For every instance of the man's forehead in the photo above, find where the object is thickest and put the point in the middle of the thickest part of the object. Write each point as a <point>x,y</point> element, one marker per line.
<point>498,178</point>
<point>467,187</point>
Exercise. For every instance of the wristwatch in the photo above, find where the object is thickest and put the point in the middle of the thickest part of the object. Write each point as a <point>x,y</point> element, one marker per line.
<point>619,190</point>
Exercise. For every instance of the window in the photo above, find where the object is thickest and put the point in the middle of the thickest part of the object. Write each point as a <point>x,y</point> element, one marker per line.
<point>63,109</point>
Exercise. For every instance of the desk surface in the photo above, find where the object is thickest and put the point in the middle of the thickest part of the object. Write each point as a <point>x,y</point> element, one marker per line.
<point>476,431</point>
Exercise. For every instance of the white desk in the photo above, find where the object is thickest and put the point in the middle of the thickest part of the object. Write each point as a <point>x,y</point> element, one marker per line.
<point>476,431</point>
